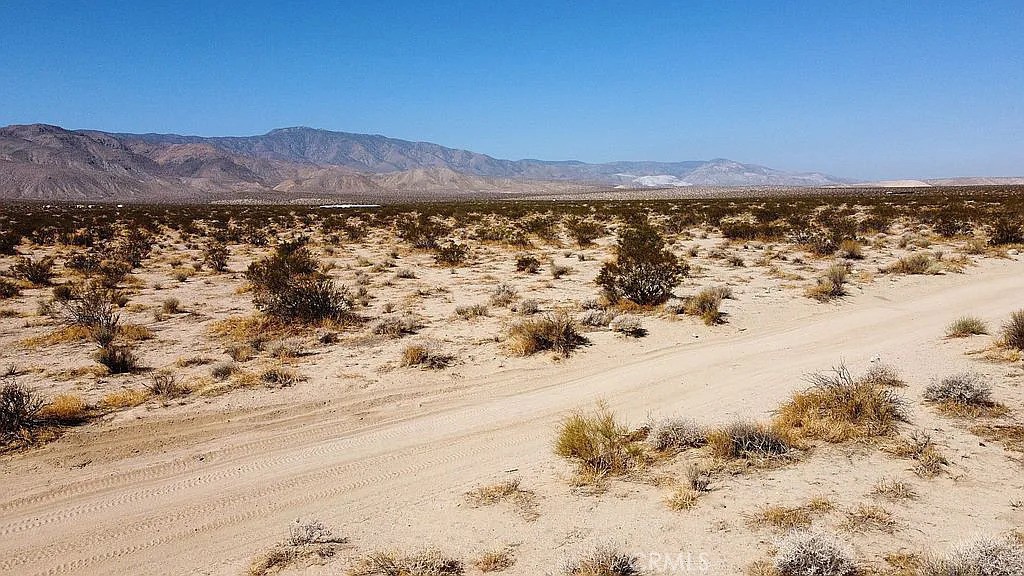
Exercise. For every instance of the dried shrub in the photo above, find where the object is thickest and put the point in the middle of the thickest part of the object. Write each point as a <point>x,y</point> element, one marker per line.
<point>503,295</point>
<point>837,408</point>
<point>914,264</point>
<point>599,444</point>
<point>471,311</point>
<point>802,553</point>
<point>965,326</point>
<point>511,492</point>
<point>527,263</point>
<point>556,332</point>
<point>964,394</point>
<point>495,561</point>
<point>65,409</point>
<point>831,285</point>
<point>119,359</point>
<point>749,441</point>
<point>426,563</point>
<point>706,305</point>
<point>425,357</point>
<point>1012,332</point>
<point>165,383</point>
<point>8,289</point>
<point>628,325</point>
<point>19,412</point>
<point>676,434</point>
<point>450,254</point>
<point>604,561</point>
<point>38,272</point>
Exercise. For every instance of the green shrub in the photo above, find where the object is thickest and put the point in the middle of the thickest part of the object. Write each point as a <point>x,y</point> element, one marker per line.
<point>643,271</point>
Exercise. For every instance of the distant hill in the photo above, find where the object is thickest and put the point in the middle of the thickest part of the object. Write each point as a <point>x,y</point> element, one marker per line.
<point>48,162</point>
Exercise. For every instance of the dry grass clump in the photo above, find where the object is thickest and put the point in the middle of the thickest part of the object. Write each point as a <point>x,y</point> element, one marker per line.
<point>65,409</point>
<point>676,434</point>
<point>556,332</point>
<point>425,357</point>
<point>749,441</point>
<point>804,553</point>
<point>496,561</point>
<point>865,518</point>
<point>851,249</point>
<point>599,444</point>
<point>127,398</point>
<point>982,557</point>
<point>604,561</point>
<point>307,541</point>
<point>1010,435</point>
<point>511,491</point>
<point>920,448</point>
<point>426,563</point>
<point>1012,332</point>
<point>279,376</point>
<point>790,517</point>
<point>134,332</point>
<point>881,374</point>
<point>832,284</point>
<point>682,498</point>
<point>837,408</point>
<point>966,394</point>
<point>597,318</point>
<point>893,489</point>
<point>965,326</point>
<point>503,295</point>
<point>395,326</point>
<point>918,263</point>
<point>706,304</point>
<point>471,311</point>
<point>165,383</point>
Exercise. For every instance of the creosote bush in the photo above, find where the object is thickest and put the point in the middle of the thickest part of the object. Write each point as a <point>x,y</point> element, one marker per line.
<point>38,272</point>
<point>556,332</point>
<point>288,285</point>
<point>644,270</point>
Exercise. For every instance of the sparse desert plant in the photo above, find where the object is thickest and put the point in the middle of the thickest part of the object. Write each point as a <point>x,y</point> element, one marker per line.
<point>425,357</point>
<point>894,489</point>
<point>511,491</point>
<point>556,332</point>
<point>748,440</point>
<point>118,358</point>
<point>628,325</point>
<point>982,557</point>
<point>527,307</point>
<point>597,317</point>
<point>495,561</point>
<point>706,305</point>
<point>309,532</point>
<point>682,497</point>
<point>868,518</point>
<point>426,563</point>
<point>503,295</point>
<point>223,370</point>
<point>306,540</point>
<point>215,255</point>
<point>881,374</point>
<point>965,326</point>
<point>170,306</point>
<point>471,311</point>
<point>1006,231</point>
<point>558,270</point>
<point>289,285</point>
<point>450,254</point>
<point>583,231</point>
<point>918,263</point>
<point>831,285</point>
<point>19,411</point>
<point>676,434</point>
<point>964,394</point>
<point>919,446</point>
<point>395,326</point>
<point>126,398</point>
<point>405,273</point>
<point>527,263</point>
<point>38,272</point>
<point>599,444</point>
<point>698,478</point>
<point>644,270</point>
<point>804,553</point>
<point>64,409</point>
<point>8,289</point>
<point>851,249</point>
<point>604,561</point>
<point>837,408</point>
<point>165,383</point>
<point>1012,332</point>
<point>279,376</point>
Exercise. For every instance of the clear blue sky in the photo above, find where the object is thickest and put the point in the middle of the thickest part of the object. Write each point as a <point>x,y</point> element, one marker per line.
<point>863,89</point>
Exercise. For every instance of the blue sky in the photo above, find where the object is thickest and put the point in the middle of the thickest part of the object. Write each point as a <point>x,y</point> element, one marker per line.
<point>891,89</point>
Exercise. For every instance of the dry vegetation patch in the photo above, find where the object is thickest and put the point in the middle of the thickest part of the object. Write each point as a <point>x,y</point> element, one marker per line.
<point>511,492</point>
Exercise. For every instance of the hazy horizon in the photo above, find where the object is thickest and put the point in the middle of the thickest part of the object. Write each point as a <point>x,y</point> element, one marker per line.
<point>873,91</point>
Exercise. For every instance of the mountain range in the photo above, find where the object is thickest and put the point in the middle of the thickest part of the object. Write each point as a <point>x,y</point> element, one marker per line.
<point>40,161</point>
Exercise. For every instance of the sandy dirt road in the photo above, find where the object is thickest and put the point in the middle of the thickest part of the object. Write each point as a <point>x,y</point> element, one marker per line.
<point>204,493</point>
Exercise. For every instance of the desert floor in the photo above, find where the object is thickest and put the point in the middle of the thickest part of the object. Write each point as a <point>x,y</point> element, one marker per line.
<point>384,455</point>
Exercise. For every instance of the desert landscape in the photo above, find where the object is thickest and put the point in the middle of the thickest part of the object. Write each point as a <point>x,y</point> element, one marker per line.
<point>627,382</point>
